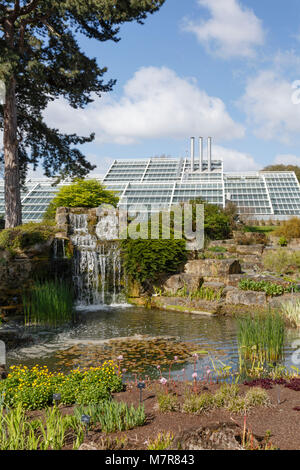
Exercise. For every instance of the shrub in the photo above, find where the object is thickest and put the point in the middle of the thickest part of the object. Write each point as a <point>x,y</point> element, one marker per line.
<point>25,236</point>
<point>281,261</point>
<point>217,222</point>
<point>34,388</point>
<point>198,403</point>
<point>282,241</point>
<point>81,193</point>
<point>270,288</point>
<point>289,229</point>
<point>146,260</point>
<point>225,395</point>
<point>167,402</point>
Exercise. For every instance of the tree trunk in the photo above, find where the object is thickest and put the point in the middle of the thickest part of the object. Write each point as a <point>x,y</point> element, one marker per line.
<point>13,208</point>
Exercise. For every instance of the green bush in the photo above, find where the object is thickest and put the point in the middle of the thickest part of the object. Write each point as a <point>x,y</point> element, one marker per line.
<point>282,241</point>
<point>81,193</point>
<point>146,260</point>
<point>167,402</point>
<point>25,236</point>
<point>217,222</point>
<point>198,403</point>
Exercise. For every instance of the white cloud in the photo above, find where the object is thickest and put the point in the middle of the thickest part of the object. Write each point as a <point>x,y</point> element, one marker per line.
<point>232,30</point>
<point>287,159</point>
<point>156,103</point>
<point>234,160</point>
<point>268,104</point>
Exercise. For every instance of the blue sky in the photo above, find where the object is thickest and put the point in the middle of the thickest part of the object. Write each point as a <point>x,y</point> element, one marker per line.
<point>220,68</point>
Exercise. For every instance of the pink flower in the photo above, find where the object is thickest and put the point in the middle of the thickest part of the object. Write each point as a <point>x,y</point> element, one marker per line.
<point>195,375</point>
<point>120,358</point>
<point>163,381</point>
<point>175,358</point>
<point>124,370</point>
<point>195,355</point>
<point>158,367</point>
<point>208,371</point>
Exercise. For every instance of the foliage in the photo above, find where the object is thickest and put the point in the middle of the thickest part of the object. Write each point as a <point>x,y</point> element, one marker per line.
<point>49,303</point>
<point>281,261</point>
<point>258,229</point>
<point>146,260</point>
<point>17,432</point>
<point>197,404</point>
<point>43,56</point>
<point>282,241</point>
<point>261,338</point>
<point>257,397</point>
<point>34,388</point>
<point>25,236</point>
<point>250,238</point>
<point>217,249</point>
<point>113,416</point>
<point>217,223</point>
<point>163,441</point>
<point>167,402</point>
<point>270,288</point>
<point>291,312</point>
<point>81,193</point>
<point>294,168</point>
<point>289,229</point>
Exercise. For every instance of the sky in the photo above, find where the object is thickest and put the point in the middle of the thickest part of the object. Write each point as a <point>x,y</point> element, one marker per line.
<point>219,68</point>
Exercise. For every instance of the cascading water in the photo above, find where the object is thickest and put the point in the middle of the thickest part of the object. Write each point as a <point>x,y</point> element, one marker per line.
<point>97,270</point>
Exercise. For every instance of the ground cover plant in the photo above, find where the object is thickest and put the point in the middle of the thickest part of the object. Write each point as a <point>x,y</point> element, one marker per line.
<point>270,288</point>
<point>49,303</point>
<point>281,261</point>
<point>34,388</point>
<point>26,236</point>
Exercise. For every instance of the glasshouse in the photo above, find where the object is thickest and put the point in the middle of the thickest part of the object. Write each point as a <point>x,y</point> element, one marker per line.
<point>161,182</point>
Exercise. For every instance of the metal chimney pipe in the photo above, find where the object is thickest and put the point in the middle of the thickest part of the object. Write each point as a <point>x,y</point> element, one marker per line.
<point>192,153</point>
<point>209,154</point>
<point>201,154</point>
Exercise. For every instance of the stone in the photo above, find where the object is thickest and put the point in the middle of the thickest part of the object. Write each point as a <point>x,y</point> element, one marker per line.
<point>3,372</point>
<point>241,297</point>
<point>215,436</point>
<point>213,285</point>
<point>208,268</point>
<point>178,281</point>
<point>88,446</point>
<point>254,250</point>
<point>278,302</point>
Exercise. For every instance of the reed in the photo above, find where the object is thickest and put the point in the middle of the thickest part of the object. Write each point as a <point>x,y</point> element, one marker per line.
<point>291,312</point>
<point>49,303</point>
<point>261,338</point>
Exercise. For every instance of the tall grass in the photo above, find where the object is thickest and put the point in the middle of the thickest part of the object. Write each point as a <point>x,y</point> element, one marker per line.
<point>49,303</point>
<point>261,338</point>
<point>291,312</point>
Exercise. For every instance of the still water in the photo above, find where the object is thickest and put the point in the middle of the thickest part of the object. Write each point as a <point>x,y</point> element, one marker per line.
<point>214,335</point>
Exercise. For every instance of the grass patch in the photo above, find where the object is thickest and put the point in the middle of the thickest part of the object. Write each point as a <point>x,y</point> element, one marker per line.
<point>291,312</point>
<point>198,404</point>
<point>163,441</point>
<point>167,402</point>
<point>259,229</point>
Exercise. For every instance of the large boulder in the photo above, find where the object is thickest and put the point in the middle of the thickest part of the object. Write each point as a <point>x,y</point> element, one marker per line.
<point>179,281</point>
<point>209,268</point>
<point>278,302</point>
<point>216,436</point>
<point>241,297</point>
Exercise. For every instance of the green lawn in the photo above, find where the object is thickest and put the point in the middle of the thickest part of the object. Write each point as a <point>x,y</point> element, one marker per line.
<point>260,229</point>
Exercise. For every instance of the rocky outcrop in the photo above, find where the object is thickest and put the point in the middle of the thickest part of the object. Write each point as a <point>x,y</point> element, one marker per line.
<point>240,297</point>
<point>216,436</point>
<point>184,280</point>
<point>252,250</point>
<point>208,268</point>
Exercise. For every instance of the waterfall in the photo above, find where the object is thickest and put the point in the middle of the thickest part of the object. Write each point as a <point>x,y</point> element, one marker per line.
<point>97,269</point>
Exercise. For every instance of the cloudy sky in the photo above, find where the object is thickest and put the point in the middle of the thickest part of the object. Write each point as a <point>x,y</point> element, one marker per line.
<point>220,68</point>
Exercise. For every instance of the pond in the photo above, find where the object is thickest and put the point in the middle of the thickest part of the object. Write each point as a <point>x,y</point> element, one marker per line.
<point>145,338</point>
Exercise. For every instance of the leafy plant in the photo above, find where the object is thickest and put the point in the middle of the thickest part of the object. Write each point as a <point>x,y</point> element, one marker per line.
<point>198,403</point>
<point>25,236</point>
<point>270,288</point>
<point>282,241</point>
<point>282,261</point>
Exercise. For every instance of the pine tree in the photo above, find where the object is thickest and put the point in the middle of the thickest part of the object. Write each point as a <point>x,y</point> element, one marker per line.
<point>40,60</point>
